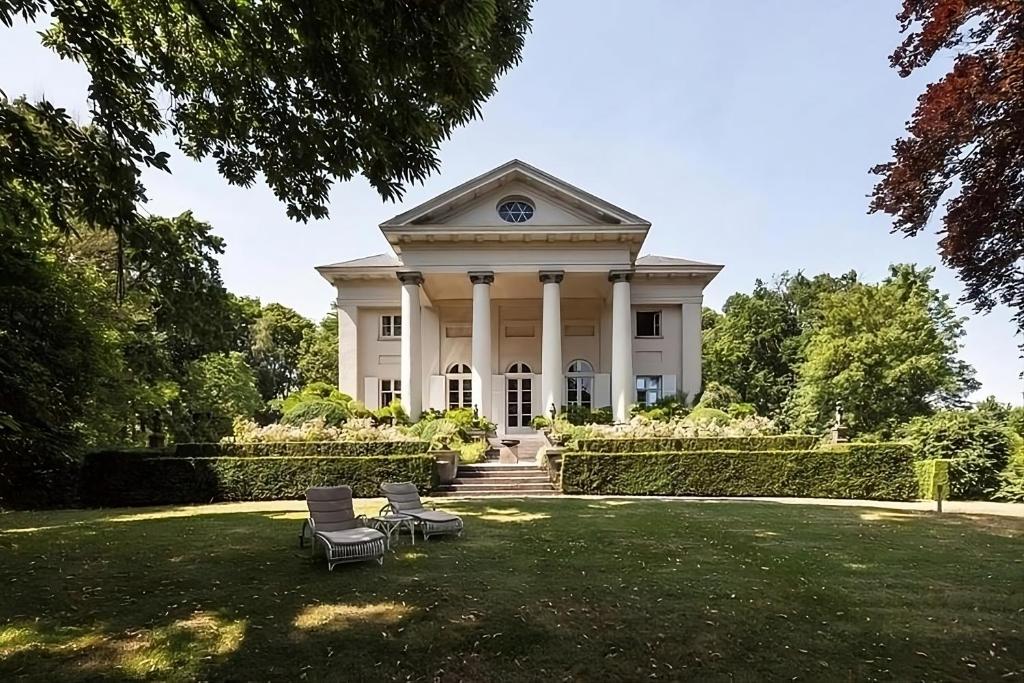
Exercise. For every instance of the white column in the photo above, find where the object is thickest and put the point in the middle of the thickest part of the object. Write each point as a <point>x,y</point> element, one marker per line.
<point>348,350</point>
<point>623,387</point>
<point>412,355</point>
<point>691,342</point>
<point>551,342</point>
<point>480,362</point>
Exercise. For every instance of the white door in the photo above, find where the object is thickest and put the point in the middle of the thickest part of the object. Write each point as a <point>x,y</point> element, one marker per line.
<point>518,398</point>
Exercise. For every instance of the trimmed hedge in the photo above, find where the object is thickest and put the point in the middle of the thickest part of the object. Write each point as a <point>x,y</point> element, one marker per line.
<point>115,478</point>
<point>337,449</point>
<point>931,474</point>
<point>870,471</point>
<point>785,442</point>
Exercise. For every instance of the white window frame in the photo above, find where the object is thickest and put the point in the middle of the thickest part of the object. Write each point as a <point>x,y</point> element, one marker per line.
<point>648,386</point>
<point>390,326</point>
<point>581,377</point>
<point>657,324</point>
<point>391,389</point>
<point>462,377</point>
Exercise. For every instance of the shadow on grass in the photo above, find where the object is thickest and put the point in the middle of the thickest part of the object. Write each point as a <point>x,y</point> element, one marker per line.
<point>536,589</point>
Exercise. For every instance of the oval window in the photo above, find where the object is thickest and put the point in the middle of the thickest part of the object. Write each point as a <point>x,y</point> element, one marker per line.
<point>516,210</point>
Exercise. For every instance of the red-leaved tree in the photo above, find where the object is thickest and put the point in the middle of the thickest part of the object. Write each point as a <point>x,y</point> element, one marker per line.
<point>965,144</point>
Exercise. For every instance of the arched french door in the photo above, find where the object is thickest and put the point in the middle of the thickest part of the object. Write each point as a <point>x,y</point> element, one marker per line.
<point>518,396</point>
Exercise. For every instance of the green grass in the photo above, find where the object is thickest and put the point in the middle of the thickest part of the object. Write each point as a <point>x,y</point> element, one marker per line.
<point>555,589</point>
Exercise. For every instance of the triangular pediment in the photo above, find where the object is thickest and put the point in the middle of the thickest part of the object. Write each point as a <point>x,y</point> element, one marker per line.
<point>554,202</point>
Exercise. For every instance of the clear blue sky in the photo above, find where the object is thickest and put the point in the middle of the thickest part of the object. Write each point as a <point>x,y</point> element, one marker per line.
<point>743,131</point>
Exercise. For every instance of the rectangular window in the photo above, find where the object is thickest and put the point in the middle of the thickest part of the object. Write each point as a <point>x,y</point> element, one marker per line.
<point>648,389</point>
<point>579,391</point>
<point>390,390</point>
<point>390,326</point>
<point>648,323</point>
<point>460,393</point>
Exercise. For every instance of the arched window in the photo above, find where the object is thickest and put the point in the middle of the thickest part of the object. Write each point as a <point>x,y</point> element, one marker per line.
<point>519,369</point>
<point>579,384</point>
<point>460,386</point>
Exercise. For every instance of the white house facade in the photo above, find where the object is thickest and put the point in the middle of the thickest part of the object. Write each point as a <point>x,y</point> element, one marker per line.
<point>515,293</point>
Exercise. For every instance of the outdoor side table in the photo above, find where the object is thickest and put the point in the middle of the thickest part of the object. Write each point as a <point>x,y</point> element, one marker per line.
<point>391,524</point>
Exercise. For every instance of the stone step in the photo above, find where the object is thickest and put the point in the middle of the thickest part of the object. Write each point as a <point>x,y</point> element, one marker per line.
<point>491,469</point>
<point>495,494</point>
<point>488,485</point>
<point>500,481</point>
<point>502,475</point>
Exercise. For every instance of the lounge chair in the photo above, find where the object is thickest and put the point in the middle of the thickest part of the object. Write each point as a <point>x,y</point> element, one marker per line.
<point>404,499</point>
<point>333,524</point>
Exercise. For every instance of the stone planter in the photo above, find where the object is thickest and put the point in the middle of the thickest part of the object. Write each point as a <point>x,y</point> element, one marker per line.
<point>447,463</point>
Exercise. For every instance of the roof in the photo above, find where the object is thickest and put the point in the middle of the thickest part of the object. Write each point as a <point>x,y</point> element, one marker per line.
<point>653,260</point>
<point>375,261</point>
<point>515,170</point>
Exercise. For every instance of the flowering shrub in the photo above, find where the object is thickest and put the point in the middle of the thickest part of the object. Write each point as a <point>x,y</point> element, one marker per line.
<point>356,429</point>
<point>694,425</point>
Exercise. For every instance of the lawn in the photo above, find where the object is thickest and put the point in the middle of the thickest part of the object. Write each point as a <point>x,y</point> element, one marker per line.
<point>543,589</point>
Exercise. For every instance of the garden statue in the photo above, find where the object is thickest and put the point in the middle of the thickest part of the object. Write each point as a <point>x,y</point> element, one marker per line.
<point>838,428</point>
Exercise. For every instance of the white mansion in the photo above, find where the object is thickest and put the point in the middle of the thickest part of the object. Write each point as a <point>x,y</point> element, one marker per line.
<point>515,292</point>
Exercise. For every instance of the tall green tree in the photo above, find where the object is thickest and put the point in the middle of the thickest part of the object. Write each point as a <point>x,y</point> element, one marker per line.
<point>756,343</point>
<point>218,387</point>
<point>888,352</point>
<point>299,94</point>
<point>276,348</point>
<point>318,353</point>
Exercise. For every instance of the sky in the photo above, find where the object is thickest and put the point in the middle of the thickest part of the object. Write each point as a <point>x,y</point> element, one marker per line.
<point>742,131</point>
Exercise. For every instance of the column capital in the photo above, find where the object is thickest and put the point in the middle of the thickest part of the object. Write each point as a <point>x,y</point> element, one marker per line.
<point>620,275</point>
<point>481,277</point>
<point>410,277</point>
<point>549,276</point>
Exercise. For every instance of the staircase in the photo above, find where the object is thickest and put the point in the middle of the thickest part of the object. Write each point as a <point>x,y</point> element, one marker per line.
<point>494,479</point>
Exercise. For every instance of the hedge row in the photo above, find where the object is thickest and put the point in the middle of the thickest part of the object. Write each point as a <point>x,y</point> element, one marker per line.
<point>339,449</point>
<point>868,471</point>
<point>785,442</point>
<point>931,476</point>
<point>118,478</point>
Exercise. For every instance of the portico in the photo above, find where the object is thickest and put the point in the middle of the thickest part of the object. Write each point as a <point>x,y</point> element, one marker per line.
<point>515,294</point>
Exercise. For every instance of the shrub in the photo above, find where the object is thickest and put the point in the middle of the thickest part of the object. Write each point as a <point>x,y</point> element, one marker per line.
<point>931,475</point>
<point>317,400</point>
<point>355,429</point>
<point>38,469</point>
<point>1011,480</point>
<point>870,471</point>
<point>663,410</point>
<point>331,413</point>
<point>977,447</point>
<point>739,410</point>
<point>719,396</point>
<point>473,452</point>
<point>540,422</point>
<point>582,415</point>
<point>442,435</point>
<point>709,416</point>
<point>119,478</point>
<point>788,442</point>
<point>337,449</point>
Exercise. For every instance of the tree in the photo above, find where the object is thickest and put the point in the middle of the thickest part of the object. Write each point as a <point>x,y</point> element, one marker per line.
<point>978,445</point>
<point>755,345</point>
<point>48,368</point>
<point>965,143</point>
<point>318,353</point>
<point>276,348</point>
<point>888,352</point>
<point>218,388</point>
<point>301,94</point>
